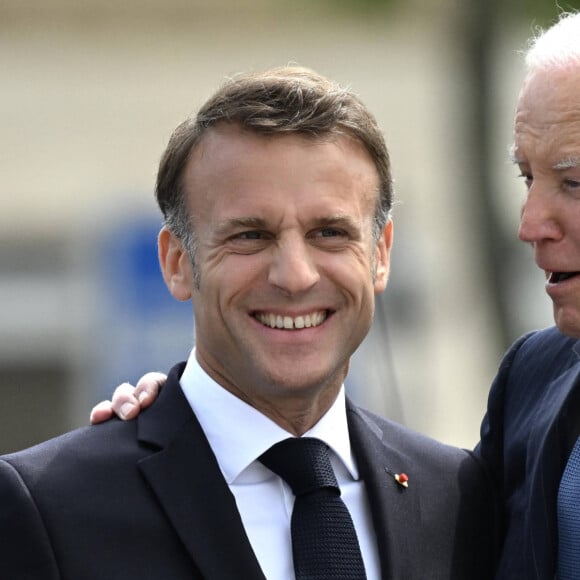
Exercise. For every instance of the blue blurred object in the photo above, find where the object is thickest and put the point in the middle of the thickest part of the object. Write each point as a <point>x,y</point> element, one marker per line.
<point>138,325</point>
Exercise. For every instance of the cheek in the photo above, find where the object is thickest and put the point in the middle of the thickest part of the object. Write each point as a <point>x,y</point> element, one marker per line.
<point>355,277</point>
<point>573,224</point>
<point>228,279</point>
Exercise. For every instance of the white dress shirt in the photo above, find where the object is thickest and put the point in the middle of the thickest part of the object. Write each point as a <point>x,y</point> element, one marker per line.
<point>238,434</point>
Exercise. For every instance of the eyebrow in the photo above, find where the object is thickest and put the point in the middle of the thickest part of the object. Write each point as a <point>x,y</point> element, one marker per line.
<point>258,223</point>
<point>512,155</point>
<point>569,162</point>
<point>243,222</point>
<point>335,220</point>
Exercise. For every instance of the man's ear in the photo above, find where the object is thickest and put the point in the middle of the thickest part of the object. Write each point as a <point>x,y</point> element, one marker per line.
<point>175,265</point>
<point>383,257</point>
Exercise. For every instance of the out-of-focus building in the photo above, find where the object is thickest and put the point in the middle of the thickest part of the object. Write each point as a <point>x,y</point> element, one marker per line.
<point>91,91</point>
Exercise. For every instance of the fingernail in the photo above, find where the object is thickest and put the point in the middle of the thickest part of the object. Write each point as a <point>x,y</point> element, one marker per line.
<point>142,396</point>
<point>126,408</point>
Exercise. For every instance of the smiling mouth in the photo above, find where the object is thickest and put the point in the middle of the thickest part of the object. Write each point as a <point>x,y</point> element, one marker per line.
<point>292,322</point>
<point>557,277</point>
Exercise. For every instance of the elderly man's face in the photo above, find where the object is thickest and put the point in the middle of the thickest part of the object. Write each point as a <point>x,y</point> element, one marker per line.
<point>547,150</point>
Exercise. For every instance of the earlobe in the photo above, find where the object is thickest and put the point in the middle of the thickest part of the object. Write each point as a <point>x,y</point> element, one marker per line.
<point>383,257</point>
<point>175,265</point>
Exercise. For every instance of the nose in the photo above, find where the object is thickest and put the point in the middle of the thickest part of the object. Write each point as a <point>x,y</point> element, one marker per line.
<point>539,219</point>
<point>293,269</point>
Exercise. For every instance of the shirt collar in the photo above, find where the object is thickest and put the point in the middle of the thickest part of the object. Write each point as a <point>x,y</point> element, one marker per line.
<point>226,418</point>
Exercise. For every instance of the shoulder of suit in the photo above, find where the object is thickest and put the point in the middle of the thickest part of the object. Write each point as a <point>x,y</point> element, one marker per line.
<point>533,362</point>
<point>407,439</point>
<point>547,343</point>
<point>109,438</point>
<point>93,446</point>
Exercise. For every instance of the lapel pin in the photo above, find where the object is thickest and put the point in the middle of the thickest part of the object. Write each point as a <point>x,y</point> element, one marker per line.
<point>401,478</point>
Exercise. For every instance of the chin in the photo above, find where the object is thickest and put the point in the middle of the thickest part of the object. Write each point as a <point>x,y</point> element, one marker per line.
<point>309,380</point>
<point>568,324</point>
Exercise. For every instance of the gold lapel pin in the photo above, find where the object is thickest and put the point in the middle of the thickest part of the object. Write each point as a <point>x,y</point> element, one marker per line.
<point>401,478</point>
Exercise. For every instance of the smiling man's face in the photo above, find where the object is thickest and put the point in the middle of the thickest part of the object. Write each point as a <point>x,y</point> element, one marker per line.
<point>547,149</point>
<point>288,268</point>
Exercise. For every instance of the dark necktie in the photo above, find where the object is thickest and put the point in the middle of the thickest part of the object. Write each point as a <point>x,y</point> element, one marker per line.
<point>324,542</point>
<point>569,518</point>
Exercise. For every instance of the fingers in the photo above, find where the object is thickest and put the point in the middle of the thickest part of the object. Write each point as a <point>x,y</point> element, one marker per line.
<point>148,387</point>
<point>101,412</point>
<point>128,401</point>
<point>125,404</point>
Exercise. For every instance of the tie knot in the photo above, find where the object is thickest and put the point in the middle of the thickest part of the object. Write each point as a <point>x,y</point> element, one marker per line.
<point>303,463</point>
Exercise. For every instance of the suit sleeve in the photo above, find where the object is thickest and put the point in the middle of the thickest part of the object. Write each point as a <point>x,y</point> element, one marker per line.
<point>491,445</point>
<point>25,549</point>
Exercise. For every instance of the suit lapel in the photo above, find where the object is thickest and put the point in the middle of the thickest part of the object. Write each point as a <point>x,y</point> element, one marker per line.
<point>395,509</point>
<point>555,432</point>
<point>184,475</point>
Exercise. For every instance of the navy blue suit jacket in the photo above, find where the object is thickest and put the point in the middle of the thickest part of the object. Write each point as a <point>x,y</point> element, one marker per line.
<point>145,499</point>
<point>532,422</point>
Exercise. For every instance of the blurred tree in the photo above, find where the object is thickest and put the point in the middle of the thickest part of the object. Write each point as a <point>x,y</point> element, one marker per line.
<point>541,12</point>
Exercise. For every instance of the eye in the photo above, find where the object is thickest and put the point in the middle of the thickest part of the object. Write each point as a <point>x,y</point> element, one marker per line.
<point>572,184</point>
<point>249,241</point>
<point>527,177</point>
<point>331,238</point>
<point>329,233</point>
<point>571,187</point>
<point>249,235</point>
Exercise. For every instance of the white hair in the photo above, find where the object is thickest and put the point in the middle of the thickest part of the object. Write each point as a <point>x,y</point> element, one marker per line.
<point>556,47</point>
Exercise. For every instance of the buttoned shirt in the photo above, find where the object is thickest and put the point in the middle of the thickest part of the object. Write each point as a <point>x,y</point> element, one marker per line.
<point>238,434</point>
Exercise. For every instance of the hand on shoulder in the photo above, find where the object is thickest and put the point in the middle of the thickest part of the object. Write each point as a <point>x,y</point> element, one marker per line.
<point>128,401</point>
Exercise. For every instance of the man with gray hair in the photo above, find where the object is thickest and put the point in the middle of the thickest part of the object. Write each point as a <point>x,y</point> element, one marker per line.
<point>253,464</point>
<point>530,433</point>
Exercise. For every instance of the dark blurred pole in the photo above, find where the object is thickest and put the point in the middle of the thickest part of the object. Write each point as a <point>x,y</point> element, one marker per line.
<point>478,28</point>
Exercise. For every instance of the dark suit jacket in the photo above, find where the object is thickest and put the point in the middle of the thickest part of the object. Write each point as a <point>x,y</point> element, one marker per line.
<point>532,422</point>
<point>145,499</point>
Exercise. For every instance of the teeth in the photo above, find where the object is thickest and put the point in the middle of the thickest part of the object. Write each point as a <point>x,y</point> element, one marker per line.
<point>289,323</point>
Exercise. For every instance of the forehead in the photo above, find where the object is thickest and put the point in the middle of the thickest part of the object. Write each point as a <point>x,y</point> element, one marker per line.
<point>233,163</point>
<point>232,139</point>
<point>547,121</point>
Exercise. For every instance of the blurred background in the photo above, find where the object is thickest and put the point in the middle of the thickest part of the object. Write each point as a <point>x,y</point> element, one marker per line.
<point>91,91</point>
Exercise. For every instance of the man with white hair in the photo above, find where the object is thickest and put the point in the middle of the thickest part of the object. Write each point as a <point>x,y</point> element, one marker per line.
<point>530,433</point>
